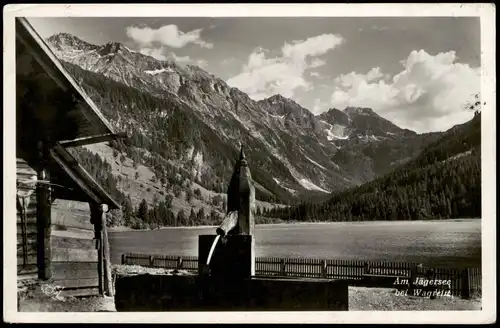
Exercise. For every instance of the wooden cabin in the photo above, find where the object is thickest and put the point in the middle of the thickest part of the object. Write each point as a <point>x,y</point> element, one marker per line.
<point>61,209</point>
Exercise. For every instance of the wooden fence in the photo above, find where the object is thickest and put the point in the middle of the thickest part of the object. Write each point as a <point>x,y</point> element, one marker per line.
<point>463,282</point>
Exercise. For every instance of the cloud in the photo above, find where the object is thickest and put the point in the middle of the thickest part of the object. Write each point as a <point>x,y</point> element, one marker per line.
<point>315,74</point>
<point>317,63</point>
<point>427,95</point>
<point>188,60</point>
<point>264,75</point>
<point>319,106</point>
<point>159,53</point>
<point>156,53</point>
<point>353,78</point>
<point>314,46</point>
<point>167,35</point>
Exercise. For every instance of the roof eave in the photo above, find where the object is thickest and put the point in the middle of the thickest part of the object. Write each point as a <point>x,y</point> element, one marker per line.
<point>81,177</point>
<point>57,71</point>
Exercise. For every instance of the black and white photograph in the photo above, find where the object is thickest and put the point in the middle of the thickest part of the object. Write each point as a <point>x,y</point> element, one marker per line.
<point>250,163</point>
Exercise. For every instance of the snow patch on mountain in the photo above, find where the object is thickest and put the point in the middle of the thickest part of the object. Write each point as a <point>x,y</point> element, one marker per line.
<point>278,116</point>
<point>315,163</point>
<point>131,50</point>
<point>367,138</point>
<point>457,156</point>
<point>338,147</point>
<point>278,182</point>
<point>335,131</point>
<point>158,71</point>
<point>311,186</point>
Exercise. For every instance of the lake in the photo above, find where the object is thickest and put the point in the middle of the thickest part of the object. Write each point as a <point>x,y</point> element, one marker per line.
<point>451,243</point>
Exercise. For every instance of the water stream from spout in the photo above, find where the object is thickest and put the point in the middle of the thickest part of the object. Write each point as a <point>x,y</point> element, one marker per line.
<point>212,249</point>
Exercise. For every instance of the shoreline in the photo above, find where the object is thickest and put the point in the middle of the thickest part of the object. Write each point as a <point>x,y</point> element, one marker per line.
<point>128,229</point>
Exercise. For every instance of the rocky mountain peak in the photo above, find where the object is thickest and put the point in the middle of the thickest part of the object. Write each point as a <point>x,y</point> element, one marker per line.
<point>65,40</point>
<point>335,116</point>
<point>112,47</point>
<point>359,111</point>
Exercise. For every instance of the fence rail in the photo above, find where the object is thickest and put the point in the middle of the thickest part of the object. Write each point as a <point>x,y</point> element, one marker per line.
<point>463,282</point>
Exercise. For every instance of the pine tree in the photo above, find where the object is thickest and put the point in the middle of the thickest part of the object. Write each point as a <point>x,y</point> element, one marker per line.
<point>200,217</point>
<point>192,217</point>
<point>142,211</point>
<point>181,219</point>
<point>128,211</point>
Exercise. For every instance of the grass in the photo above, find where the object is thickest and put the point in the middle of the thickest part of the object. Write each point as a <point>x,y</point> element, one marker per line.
<point>384,299</point>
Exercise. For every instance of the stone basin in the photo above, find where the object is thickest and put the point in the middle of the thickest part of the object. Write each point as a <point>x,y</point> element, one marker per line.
<point>146,292</point>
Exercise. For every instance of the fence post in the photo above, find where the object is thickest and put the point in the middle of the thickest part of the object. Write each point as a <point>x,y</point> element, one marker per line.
<point>323,269</point>
<point>465,284</point>
<point>124,258</point>
<point>179,262</point>
<point>413,277</point>
<point>367,268</point>
<point>151,260</point>
<point>283,272</point>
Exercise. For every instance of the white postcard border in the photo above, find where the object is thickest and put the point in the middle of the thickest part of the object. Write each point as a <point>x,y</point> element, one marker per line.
<point>487,15</point>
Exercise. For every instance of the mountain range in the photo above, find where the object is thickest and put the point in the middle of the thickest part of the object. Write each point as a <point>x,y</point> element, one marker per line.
<point>442,182</point>
<point>184,117</point>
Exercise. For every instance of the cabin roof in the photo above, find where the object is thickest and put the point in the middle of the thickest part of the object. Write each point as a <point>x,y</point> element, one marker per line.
<point>37,62</point>
<point>67,172</point>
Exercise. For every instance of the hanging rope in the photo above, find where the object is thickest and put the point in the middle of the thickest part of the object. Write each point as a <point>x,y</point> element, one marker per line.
<point>23,194</point>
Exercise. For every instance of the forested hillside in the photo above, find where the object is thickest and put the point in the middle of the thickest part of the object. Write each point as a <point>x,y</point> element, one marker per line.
<point>444,181</point>
<point>167,137</point>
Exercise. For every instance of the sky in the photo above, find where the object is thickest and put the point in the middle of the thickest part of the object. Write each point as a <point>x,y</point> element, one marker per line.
<point>418,72</point>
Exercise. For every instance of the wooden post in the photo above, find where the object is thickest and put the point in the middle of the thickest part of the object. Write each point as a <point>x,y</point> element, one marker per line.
<point>179,262</point>
<point>43,216</point>
<point>366,271</point>
<point>108,282</point>
<point>367,268</point>
<point>96,220</point>
<point>151,260</point>
<point>124,258</point>
<point>283,271</point>
<point>465,284</point>
<point>323,269</point>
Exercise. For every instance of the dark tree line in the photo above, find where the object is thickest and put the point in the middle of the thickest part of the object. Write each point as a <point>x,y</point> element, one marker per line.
<point>161,215</point>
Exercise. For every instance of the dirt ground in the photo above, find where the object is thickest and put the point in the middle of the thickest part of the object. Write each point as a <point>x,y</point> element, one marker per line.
<point>33,299</point>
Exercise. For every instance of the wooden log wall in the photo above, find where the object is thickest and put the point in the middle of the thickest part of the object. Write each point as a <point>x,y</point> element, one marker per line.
<point>74,255</point>
<point>26,228</point>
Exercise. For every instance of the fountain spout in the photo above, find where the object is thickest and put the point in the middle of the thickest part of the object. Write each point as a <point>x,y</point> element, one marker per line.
<point>229,224</point>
